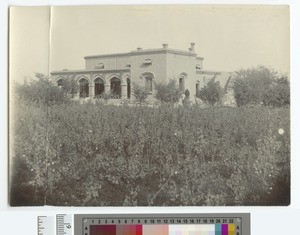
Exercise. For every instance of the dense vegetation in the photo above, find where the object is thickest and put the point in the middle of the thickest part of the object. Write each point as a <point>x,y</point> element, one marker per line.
<point>254,86</point>
<point>72,153</point>
<point>262,86</point>
<point>95,154</point>
<point>167,93</point>
<point>211,93</point>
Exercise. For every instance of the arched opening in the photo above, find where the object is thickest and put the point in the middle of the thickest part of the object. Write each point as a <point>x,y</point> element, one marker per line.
<point>128,88</point>
<point>181,83</point>
<point>99,87</point>
<point>83,88</point>
<point>60,83</point>
<point>149,82</point>
<point>197,86</point>
<point>115,88</point>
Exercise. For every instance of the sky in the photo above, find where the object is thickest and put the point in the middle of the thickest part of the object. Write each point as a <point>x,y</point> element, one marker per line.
<point>228,37</point>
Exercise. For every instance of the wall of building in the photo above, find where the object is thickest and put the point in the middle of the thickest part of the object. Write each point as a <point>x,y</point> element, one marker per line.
<point>113,62</point>
<point>157,67</point>
<point>179,65</point>
<point>199,62</point>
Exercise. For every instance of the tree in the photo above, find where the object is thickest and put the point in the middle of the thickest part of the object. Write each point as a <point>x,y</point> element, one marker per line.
<point>278,94</point>
<point>167,93</point>
<point>42,92</point>
<point>211,93</point>
<point>257,85</point>
<point>70,86</point>
<point>140,93</point>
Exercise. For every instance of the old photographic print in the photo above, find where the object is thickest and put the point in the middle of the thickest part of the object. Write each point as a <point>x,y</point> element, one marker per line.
<point>185,105</point>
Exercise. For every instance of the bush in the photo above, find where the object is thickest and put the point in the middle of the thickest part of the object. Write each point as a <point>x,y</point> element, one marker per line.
<point>278,94</point>
<point>260,86</point>
<point>167,93</point>
<point>211,93</point>
<point>41,92</point>
<point>80,152</point>
<point>140,93</point>
<point>70,86</point>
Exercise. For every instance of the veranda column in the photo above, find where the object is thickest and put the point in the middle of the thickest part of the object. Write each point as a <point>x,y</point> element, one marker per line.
<point>124,91</point>
<point>92,90</point>
<point>107,87</point>
<point>106,84</point>
<point>123,85</point>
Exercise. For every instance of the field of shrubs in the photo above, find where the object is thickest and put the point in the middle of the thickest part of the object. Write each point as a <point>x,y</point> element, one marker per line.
<point>104,155</point>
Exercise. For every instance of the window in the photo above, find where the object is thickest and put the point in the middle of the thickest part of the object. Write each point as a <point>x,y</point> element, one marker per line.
<point>147,62</point>
<point>181,83</point>
<point>60,83</point>
<point>99,66</point>
<point>149,83</point>
<point>197,86</point>
<point>148,77</point>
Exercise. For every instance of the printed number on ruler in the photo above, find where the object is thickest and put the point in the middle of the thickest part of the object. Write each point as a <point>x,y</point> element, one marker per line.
<point>46,225</point>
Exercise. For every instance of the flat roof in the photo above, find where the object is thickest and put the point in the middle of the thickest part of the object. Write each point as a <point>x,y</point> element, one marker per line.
<point>146,51</point>
<point>208,72</point>
<point>88,70</point>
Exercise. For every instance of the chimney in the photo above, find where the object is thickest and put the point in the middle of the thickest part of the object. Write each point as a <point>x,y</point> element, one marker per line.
<point>165,45</point>
<point>193,47</point>
<point>139,48</point>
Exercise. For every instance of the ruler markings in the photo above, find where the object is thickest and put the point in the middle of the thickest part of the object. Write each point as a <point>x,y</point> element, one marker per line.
<point>64,224</point>
<point>45,225</point>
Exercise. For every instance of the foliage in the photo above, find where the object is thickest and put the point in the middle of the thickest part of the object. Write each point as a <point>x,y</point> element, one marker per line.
<point>211,93</point>
<point>140,93</point>
<point>70,86</point>
<point>86,154</point>
<point>260,86</point>
<point>41,92</point>
<point>278,94</point>
<point>167,93</point>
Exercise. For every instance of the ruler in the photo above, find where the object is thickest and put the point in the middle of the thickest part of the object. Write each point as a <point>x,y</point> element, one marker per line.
<point>45,225</point>
<point>64,224</point>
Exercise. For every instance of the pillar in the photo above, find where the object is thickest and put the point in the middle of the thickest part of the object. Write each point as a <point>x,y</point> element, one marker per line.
<point>91,90</point>
<point>107,87</point>
<point>124,91</point>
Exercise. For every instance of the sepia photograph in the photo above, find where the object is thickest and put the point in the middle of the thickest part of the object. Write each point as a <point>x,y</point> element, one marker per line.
<point>149,105</point>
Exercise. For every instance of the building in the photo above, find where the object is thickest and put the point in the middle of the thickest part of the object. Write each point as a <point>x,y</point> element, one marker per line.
<point>116,73</point>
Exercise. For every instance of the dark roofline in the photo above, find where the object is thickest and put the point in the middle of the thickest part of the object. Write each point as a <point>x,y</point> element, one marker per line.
<point>211,72</point>
<point>88,71</point>
<point>147,51</point>
<point>108,55</point>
